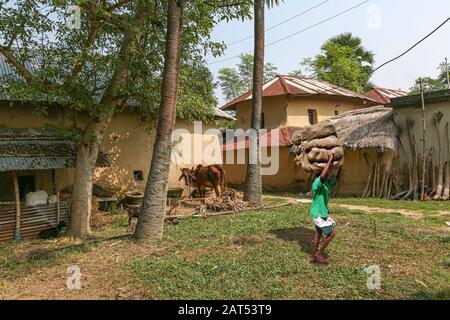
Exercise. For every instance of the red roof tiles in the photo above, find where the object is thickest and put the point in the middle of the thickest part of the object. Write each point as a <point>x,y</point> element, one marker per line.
<point>383,96</point>
<point>297,86</point>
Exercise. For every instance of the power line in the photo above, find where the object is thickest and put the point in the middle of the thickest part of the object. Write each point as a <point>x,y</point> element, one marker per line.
<point>317,24</point>
<point>415,45</point>
<point>296,33</point>
<point>281,23</point>
<point>396,58</point>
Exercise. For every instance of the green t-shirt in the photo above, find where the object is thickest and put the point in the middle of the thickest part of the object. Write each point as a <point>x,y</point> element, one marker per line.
<point>321,195</point>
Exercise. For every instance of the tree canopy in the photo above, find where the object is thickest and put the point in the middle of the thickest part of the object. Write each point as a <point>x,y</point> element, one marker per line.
<point>74,66</point>
<point>238,80</point>
<point>343,61</point>
<point>432,84</point>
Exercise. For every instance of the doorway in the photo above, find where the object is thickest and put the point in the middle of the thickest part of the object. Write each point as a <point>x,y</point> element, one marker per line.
<point>27,184</point>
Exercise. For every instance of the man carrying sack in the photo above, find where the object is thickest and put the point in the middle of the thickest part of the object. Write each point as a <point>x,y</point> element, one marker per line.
<point>324,224</point>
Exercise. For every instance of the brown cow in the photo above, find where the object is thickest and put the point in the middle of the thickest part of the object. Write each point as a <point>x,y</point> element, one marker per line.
<point>205,177</point>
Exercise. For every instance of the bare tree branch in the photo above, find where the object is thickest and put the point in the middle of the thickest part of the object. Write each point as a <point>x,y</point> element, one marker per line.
<point>20,67</point>
<point>79,64</point>
<point>225,5</point>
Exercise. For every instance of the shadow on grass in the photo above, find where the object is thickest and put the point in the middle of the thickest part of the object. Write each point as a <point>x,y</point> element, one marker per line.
<point>431,295</point>
<point>300,235</point>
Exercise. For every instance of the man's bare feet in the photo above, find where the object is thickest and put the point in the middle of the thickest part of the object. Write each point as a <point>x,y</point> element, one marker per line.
<point>320,258</point>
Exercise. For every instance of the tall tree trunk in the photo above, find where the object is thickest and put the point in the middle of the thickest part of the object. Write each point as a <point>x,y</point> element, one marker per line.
<point>79,226</point>
<point>253,181</point>
<point>151,217</point>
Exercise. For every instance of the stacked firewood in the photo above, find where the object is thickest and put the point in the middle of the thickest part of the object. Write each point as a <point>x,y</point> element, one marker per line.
<point>312,146</point>
<point>228,200</point>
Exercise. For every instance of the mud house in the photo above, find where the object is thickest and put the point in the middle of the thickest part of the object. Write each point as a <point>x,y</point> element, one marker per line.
<point>408,117</point>
<point>295,102</point>
<point>46,159</point>
<point>127,143</point>
<point>290,103</point>
<point>35,158</point>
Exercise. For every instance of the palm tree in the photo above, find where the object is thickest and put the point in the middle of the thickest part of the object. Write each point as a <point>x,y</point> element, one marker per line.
<point>348,40</point>
<point>344,62</point>
<point>253,182</point>
<point>151,217</point>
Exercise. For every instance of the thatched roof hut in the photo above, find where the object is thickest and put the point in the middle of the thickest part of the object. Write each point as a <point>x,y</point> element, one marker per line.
<point>370,128</point>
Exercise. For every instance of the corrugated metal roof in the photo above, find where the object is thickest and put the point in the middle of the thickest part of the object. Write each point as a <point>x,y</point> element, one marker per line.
<point>415,100</point>
<point>38,149</point>
<point>8,72</point>
<point>222,114</point>
<point>298,86</point>
<point>383,95</point>
<point>35,163</point>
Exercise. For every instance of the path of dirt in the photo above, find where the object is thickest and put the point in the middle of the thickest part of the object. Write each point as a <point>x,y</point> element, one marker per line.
<point>416,215</point>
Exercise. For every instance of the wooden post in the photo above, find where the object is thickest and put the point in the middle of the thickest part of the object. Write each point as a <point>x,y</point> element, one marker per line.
<point>424,127</point>
<point>17,200</point>
<point>58,208</point>
<point>58,199</point>
<point>448,75</point>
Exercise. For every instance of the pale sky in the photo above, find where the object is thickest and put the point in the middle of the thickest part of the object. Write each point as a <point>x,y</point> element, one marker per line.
<point>399,24</point>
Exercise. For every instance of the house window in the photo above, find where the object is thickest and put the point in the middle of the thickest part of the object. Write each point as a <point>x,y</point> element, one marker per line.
<point>138,176</point>
<point>336,111</point>
<point>312,116</point>
<point>263,121</point>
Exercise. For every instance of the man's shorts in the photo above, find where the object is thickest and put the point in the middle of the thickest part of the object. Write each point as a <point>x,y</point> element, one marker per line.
<point>325,226</point>
<point>327,231</point>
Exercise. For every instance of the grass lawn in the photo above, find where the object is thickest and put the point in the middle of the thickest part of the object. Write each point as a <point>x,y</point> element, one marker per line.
<point>254,255</point>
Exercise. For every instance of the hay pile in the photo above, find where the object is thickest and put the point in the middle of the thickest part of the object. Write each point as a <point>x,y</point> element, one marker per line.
<point>312,144</point>
<point>228,201</point>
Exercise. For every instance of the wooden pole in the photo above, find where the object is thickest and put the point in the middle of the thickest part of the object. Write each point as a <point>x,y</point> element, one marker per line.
<point>17,200</point>
<point>58,198</point>
<point>58,208</point>
<point>424,128</point>
<point>448,75</point>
